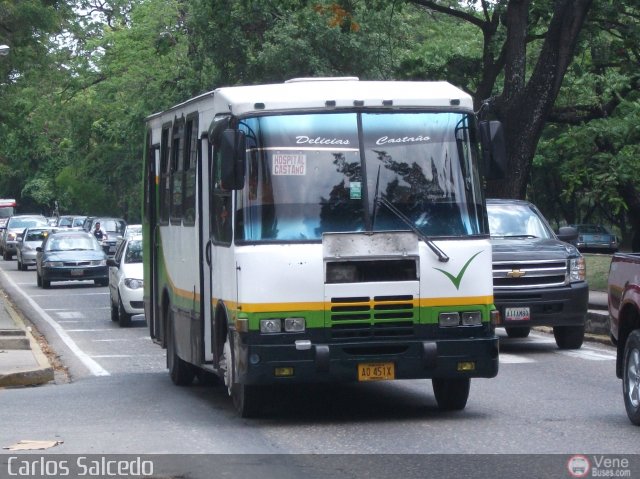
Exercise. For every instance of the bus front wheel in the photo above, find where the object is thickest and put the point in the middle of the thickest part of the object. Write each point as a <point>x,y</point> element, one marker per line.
<point>181,372</point>
<point>451,393</point>
<point>245,397</point>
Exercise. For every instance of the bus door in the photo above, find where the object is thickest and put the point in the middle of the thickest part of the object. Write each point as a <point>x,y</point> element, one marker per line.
<point>152,187</point>
<point>206,247</point>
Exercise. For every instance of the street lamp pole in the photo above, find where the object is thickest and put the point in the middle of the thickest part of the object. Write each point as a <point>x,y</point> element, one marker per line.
<point>4,50</point>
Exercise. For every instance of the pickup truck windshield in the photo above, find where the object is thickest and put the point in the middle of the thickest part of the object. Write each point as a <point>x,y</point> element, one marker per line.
<point>516,220</point>
<point>315,173</point>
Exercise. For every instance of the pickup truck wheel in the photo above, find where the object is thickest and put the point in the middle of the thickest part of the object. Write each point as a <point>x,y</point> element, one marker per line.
<point>518,331</point>
<point>569,337</point>
<point>451,393</point>
<point>631,377</point>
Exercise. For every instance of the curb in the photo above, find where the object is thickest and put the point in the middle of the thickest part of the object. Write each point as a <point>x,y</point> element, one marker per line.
<point>41,374</point>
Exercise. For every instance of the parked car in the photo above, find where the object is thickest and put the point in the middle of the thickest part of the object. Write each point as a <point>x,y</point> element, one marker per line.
<point>114,229</point>
<point>595,238</point>
<point>538,278</point>
<point>15,227</point>
<point>125,281</point>
<point>71,256</point>
<point>29,241</point>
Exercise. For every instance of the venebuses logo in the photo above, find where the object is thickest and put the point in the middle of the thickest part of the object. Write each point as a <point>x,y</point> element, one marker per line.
<point>578,466</point>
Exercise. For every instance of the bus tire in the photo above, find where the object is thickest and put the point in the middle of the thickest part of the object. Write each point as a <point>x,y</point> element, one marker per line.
<point>181,372</point>
<point>245,397</point>
<point>451,393</point>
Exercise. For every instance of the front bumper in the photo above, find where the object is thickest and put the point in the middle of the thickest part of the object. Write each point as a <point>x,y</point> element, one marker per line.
<point>132,299</point>
<point>78,273</point>
<point>560,306</point>
<point>325,362</point>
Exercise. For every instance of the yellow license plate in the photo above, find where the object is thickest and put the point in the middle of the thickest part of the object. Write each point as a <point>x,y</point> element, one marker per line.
<point>376,371</point>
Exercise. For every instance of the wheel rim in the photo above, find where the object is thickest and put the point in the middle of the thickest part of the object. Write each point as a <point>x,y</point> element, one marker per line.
<point>633,377</point>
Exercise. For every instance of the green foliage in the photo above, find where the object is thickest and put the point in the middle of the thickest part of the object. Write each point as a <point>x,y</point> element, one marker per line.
<point>76,87</point>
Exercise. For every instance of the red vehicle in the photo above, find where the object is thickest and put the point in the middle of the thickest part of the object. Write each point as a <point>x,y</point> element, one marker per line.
<point>7,209</point>
<point>624,310</point>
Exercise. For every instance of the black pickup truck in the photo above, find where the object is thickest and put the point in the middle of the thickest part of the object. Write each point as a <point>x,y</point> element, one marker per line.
<point>539,279</point>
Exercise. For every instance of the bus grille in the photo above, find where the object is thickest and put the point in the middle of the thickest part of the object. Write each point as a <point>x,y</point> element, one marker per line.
<point>380,317</point>
<point>529,274</point>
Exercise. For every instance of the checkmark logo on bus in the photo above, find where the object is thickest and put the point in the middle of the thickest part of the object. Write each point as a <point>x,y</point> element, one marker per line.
<point>458,278</point>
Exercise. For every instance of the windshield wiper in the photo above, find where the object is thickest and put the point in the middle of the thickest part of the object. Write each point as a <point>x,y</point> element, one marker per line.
<point>442,257</point>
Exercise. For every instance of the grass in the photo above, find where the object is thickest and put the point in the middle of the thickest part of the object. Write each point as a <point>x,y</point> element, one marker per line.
<point>597,270</point>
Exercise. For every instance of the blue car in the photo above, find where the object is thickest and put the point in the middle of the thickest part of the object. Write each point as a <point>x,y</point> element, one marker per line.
<point>595,238</point>
<point>71,256</point>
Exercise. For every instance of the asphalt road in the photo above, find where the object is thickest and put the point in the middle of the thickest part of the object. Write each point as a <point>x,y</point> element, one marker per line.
<point>119,399</point>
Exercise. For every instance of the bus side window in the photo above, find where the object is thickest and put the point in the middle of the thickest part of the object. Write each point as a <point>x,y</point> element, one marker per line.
<point>191,155</point>
<point>165,190</point>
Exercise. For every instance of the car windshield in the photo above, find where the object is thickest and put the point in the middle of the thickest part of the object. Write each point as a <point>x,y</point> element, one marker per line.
<point>17,223</point>
<point>134,252</point>
<point>36,235</point>
<point>133,230</point>
<point>111,226</point>
<point>73,243</point>
<point>419,164</point>
<point>66,222</point>
<point>516,220</point>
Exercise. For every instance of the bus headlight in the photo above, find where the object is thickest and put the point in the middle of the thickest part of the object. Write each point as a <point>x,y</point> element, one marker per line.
<point>471,318</point>
<point>275,325</point>
<point>449,320</point>
<point>294,325</point>
<point>270,326</point>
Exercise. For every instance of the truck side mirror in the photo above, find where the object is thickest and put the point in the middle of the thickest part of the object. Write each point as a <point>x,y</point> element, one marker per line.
<point>567,233</point>
<point>494,152</point>
<point>232,155</point>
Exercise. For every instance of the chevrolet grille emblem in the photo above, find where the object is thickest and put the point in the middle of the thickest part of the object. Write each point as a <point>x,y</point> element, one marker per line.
<point>516,273</point>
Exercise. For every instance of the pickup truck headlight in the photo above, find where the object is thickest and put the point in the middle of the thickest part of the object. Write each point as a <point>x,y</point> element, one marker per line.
<point>577,269</point>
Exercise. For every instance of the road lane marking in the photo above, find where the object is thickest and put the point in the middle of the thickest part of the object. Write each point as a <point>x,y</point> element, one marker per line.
<point>514,359</point>
<point>590,355</point>
<point>93,367</point>
<point>70,314</point>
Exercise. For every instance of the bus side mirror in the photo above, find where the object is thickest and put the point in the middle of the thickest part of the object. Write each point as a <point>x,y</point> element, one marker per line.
<point>494,152</point>
<point>232,155</point>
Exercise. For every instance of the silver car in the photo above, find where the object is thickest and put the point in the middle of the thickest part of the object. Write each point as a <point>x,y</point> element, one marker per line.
<point>27,244</point>
<point>15,227</point>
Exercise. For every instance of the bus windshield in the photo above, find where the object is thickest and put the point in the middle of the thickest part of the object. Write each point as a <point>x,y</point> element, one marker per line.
<point>316,173</point>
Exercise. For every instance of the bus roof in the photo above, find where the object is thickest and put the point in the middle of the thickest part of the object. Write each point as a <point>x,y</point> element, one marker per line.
<point>333,93</point>
<point>5,202</point>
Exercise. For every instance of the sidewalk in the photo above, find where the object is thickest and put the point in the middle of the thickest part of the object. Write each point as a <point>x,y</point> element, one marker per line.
<point>22,362</point>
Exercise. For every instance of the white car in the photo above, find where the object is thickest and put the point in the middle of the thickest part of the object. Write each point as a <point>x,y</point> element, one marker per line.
<point>125,281</point>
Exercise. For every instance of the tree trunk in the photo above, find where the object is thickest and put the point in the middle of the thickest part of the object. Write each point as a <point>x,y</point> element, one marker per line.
<point>523,109</point>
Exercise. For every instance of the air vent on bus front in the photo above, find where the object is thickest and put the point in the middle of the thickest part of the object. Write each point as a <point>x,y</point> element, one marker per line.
<point>379,317</point>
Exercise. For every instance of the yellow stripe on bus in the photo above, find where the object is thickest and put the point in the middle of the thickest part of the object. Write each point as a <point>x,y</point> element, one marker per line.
<point>321,306</point>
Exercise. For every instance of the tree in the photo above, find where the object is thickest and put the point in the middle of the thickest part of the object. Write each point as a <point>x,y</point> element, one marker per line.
<point>513,31</point>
